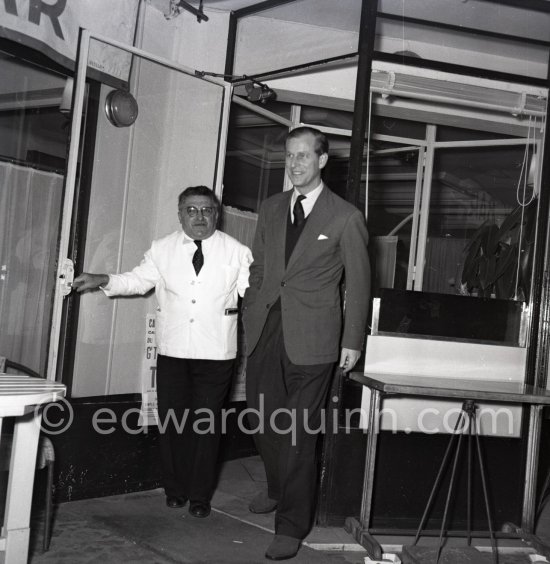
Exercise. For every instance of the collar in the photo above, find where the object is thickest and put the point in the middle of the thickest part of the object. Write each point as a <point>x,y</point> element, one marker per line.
<point>309,200</point>
<point>206,243</point>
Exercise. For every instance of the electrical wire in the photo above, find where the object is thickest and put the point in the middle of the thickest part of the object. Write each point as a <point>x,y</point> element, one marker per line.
<point>523,183</point>
<point>524,172</point>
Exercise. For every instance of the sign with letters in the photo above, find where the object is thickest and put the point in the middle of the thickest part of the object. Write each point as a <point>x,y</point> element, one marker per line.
<point>149,375</point>
<point>52,27</point>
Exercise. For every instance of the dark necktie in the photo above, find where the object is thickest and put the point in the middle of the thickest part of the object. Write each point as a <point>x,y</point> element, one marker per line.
<point>198,257</point>
<point>299,215</point>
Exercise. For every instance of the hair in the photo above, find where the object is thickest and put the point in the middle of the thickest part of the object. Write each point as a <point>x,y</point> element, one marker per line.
<point>199,191</point>
<point>321,141</point>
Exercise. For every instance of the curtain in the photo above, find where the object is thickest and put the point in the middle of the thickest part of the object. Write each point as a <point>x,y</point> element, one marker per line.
<point>30,211</point>
<point>239,224</point>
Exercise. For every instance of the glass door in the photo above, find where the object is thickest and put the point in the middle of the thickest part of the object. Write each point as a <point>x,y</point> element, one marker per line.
<point>159,129</point>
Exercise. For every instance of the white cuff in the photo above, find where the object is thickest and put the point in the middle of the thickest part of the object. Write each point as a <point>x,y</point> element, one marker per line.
<point>107,286</point>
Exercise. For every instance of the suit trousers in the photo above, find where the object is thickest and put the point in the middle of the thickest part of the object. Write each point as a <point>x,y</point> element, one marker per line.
<point>286,403</point>
<point>189,440</point>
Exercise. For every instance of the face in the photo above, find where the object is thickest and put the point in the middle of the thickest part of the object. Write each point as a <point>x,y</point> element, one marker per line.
<point>303,164</point>
<point>202,225</point>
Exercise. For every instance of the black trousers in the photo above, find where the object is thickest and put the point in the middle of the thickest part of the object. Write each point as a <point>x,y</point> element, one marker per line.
<point>190,395</point>
<point>289,399</point>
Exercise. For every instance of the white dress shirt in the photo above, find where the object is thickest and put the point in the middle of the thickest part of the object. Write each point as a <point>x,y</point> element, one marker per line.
<point>307,203</point>
<point>196,315</point>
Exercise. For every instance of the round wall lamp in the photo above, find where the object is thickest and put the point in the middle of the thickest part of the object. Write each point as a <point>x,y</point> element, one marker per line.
<point>121,108</point>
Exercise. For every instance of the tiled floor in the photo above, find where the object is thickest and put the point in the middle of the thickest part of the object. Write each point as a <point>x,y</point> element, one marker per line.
<point>140,528</point>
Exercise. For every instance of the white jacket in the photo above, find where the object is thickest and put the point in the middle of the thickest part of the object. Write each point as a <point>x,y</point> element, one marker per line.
<point>196,317</point>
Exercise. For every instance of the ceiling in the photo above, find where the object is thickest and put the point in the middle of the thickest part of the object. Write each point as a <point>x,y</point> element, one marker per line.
<point>505,36</point>
<point>323,13</point>
<point>481,15</point>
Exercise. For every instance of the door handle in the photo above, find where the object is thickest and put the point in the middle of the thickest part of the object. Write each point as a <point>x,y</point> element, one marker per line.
<point>66,277</point>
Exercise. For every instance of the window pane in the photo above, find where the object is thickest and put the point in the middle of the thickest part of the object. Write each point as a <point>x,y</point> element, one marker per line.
<point>33,145</point>
<point>392,184</point>
<point>474,190</point>
<point>255,163</point>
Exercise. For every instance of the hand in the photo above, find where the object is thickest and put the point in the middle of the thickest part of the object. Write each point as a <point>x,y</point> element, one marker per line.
<point>348,359</point>
<point>87,281</point>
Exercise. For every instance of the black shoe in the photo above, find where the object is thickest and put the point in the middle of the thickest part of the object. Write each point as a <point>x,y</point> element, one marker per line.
<point>175,502</point>
<point>262,503</point>
<point>283,548</point>
<point>199,509</point>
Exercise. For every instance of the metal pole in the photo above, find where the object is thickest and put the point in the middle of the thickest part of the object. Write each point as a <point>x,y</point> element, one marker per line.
<point>362,94</point>
<point>539,304</point>
<point>533,445</point>
<point>231,41</point>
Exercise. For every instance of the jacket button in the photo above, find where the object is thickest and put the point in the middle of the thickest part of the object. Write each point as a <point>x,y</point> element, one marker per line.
<point>283,283</point>
<point>267,306</point>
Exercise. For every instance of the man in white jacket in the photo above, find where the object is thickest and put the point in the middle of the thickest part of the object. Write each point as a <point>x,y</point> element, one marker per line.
<point>197,274</point>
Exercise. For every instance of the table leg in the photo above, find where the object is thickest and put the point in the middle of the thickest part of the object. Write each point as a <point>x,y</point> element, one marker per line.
<point>370,459</point>
<point>529,492</point>
<point>20,485</point>
<point>361,530</point>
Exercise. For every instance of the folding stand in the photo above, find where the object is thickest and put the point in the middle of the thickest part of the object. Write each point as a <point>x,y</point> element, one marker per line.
<point>469,392</point>
<point>468,416</point>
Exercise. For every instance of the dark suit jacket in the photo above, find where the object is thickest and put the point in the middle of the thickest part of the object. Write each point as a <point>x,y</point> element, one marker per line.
<point>333,242</point>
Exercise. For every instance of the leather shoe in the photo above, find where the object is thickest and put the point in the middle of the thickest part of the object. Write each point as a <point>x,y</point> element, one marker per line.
<point>175,502</point>
<point>199,509</point>
<point>262,503</point>
<point>283,548</point>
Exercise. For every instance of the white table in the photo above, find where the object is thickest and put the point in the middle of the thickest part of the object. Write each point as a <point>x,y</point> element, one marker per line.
<point>21,398</point>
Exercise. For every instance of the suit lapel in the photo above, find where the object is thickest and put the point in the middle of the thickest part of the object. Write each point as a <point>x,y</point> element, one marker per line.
<point>318,218</point>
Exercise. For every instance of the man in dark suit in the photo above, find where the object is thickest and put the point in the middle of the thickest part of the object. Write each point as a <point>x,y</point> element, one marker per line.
<point>308,240</point>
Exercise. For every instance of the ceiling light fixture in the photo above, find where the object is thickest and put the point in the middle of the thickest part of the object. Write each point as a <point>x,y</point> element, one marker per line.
<point>256,91</point>
<point>121,108</point>
<point>259,93</point>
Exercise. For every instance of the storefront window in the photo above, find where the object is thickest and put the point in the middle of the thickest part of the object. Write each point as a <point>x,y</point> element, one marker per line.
<point>449,184</point>
<point>33,147</point>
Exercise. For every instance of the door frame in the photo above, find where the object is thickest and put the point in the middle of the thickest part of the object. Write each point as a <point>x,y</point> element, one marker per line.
<point>64,262</point>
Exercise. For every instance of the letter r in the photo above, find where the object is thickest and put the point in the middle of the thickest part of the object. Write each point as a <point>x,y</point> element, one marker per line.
<point>53,11</point>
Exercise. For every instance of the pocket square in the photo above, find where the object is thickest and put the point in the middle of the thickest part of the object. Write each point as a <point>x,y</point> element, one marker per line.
<point>321,237</point>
